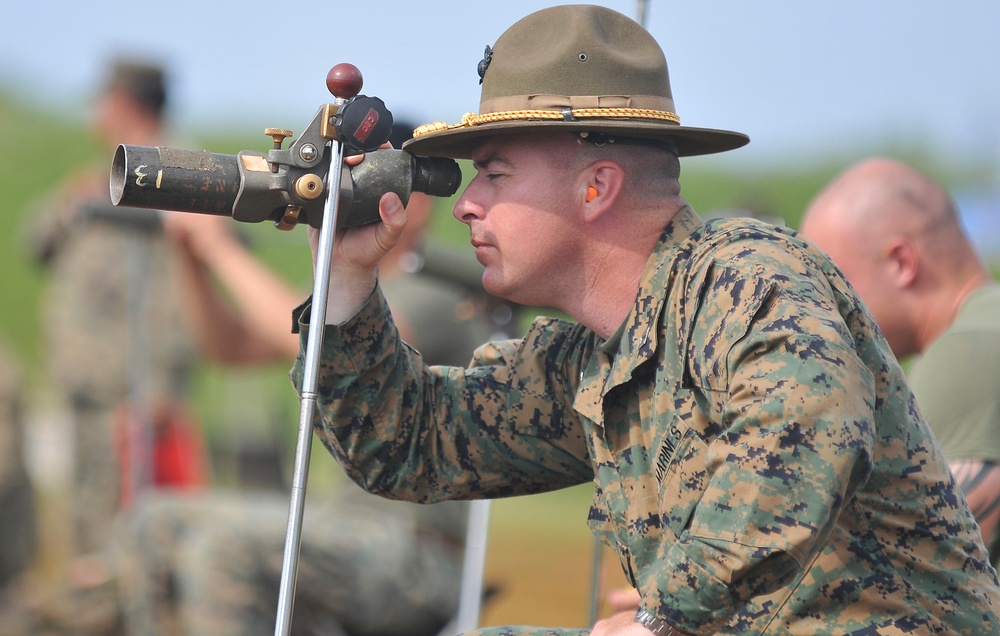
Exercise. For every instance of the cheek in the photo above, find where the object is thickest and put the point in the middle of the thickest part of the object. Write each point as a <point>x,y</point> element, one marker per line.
<point>517,232</point>
<point>527,238</point>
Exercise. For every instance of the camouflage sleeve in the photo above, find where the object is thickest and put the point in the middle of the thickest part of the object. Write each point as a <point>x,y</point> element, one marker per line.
<point>771,354</point>
<point>50,218</point>
<point>504,426</point>
<point>44,230</point>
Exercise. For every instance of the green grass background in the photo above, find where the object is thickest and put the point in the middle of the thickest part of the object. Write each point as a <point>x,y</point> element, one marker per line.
<point>540,551</point>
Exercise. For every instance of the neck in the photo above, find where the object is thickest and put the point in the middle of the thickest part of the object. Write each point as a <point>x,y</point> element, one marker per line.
<point>606,295</point>
<point>940,315</point>
<point>605,308</point>
<point>615,272</point>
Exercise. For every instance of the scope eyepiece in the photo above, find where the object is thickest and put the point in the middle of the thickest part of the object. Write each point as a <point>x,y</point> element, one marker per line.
<point>436,176</point>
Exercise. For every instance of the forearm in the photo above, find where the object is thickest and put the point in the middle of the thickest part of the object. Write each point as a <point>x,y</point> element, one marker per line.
<point>409,431</point>
<point>262,298</point>
<point>52,219</point>
<point>980,483</point>
<point>222,333</point>
<point>348,292</point>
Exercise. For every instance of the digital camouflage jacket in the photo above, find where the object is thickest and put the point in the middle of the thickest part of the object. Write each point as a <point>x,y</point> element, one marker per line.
<point>759,463</point>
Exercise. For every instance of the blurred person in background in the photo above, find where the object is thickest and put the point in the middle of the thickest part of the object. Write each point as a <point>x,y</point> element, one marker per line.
<point>119,354</point>
<point>899,239</point>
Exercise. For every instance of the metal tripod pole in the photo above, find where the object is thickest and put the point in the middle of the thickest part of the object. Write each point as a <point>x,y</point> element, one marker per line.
<point>595,584</point>
<point>473,566</point>
<point>307,405</point>
<point>139,432</point>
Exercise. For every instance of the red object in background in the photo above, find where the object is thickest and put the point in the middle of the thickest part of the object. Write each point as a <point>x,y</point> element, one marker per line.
<point>176,449</point>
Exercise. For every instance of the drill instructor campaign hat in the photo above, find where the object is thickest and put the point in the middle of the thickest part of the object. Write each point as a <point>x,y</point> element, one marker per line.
<point>578,68</point>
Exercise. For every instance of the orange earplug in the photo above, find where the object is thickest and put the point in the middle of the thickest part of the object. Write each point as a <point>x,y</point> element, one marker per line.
<point>591,193</point>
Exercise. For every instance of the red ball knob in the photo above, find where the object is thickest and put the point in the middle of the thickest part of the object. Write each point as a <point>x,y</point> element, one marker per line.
<point>344,80</point>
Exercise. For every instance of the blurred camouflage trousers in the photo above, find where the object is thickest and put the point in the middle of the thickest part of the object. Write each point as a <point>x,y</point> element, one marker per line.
<point>17,500</point>
<point>96,486</point>
<point>211,564</point>
<point>113,329</point>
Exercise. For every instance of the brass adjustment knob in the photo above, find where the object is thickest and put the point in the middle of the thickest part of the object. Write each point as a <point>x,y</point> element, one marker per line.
<point>278,135</point>
<point>309,186</point>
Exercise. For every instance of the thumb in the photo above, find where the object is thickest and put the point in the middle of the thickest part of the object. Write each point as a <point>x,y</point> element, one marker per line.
<point>393,216</point>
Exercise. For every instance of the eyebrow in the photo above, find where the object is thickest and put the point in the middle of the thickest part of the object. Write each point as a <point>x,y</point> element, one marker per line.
<point>494,158</point>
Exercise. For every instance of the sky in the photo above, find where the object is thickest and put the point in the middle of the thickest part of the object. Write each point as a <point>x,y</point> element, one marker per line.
<point>800,78</point>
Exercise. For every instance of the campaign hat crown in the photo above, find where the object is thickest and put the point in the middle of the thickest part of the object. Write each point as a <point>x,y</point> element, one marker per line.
<point>579,68</point>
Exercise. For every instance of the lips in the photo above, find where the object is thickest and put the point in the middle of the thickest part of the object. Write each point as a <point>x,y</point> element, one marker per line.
<point>480,240</point>
<point>482,250</point>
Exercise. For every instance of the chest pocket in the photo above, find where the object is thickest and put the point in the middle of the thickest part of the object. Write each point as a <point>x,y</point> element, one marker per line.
<point>679,466</point>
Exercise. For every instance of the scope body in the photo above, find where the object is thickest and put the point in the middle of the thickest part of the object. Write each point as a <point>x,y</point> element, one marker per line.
<point>250,188</point>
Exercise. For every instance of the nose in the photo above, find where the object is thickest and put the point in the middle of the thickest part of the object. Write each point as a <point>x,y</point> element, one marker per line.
<point>466,209</point>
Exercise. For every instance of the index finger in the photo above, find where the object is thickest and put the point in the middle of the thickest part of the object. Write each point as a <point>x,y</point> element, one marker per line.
<point>354,160</point>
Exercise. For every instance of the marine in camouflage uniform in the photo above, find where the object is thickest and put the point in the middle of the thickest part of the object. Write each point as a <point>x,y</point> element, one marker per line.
<point>112,324</point>
<point>759,463</point>
<point>98,320</point>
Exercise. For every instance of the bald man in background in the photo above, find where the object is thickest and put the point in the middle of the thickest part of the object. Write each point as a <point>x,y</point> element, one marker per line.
<point>898,238</point>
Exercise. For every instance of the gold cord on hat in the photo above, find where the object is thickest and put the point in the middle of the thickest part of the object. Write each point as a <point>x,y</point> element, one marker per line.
<point>472,119</point>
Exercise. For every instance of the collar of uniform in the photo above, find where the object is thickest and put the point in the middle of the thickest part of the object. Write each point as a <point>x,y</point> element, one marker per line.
<point>635,341</point>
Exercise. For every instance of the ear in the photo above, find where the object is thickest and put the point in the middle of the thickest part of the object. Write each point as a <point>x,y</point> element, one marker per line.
<point>903,261</point>
<point>601,186</point>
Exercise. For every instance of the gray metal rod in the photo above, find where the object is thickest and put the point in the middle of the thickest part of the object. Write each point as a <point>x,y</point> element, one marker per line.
<point>641,11</point>
<point>473,566</point>
<point>595,583</point>
<point>139,412</point>
<point>307,408</point>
